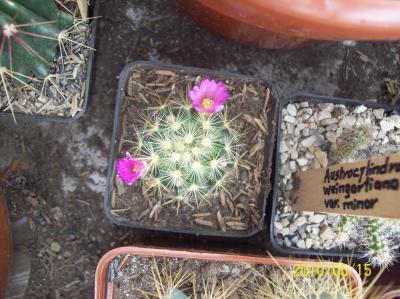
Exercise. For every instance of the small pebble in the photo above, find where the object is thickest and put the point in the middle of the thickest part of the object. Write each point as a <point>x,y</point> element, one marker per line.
<point>291,109</point>
<point>326,233</point>
<point>317,218</point>
<point>302,162</point>
<point>379,113</point>
<point>300,221</point>
<point>308,141</point>
<point>283,147</point>
<point>290,119</point>
<point>347,122</point>
<point>301,244</point>
<point>321,157</point>
<point>55,247</point>
<point>360,109</point>
<point>324,115</point>
<point>387,124</point>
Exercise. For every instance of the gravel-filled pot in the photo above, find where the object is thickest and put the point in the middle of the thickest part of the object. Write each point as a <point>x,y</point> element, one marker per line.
<point>318,131</point>
<point>202,172</point>
<point>137,272</point>
<point>49,74</point>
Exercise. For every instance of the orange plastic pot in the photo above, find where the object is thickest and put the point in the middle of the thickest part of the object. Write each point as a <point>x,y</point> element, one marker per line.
<point>104,289</point>
<point>288,23</point>
<point>5,246</point>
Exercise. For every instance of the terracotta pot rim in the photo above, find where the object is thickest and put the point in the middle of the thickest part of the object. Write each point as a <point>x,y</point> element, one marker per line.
<point>317,19</point>
<point>101,275</point>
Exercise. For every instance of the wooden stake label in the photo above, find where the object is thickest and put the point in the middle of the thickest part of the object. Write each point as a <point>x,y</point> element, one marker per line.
<point>363,188</point>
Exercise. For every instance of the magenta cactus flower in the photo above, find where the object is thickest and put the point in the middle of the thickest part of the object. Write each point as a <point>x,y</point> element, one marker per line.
<point>129,170</point>
<point>209,97</point>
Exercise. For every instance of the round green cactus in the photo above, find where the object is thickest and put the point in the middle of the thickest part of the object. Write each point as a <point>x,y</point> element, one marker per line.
<point>190,155</point>
<point>30,33</point>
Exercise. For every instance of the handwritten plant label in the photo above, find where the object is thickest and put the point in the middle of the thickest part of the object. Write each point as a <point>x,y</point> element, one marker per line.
<point>364,188</point>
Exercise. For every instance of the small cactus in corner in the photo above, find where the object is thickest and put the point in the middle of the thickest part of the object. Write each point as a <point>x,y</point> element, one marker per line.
<point>186,152</point>
<point>378,236</point>
<point>30,36</point>
<point>351,143</point>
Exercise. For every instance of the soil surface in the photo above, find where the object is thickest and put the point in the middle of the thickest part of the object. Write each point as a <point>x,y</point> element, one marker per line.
<point>234,209</point>
<point>137,277</point>
<point>61,180</point>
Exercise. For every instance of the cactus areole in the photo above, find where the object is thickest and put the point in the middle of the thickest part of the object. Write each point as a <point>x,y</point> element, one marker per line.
<point>29,36</point>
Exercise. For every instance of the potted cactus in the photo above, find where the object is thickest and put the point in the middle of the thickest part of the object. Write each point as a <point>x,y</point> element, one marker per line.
<point>191,151</point>
<point>45,58</point>
<point>134,272</point>
<point>318,131</point>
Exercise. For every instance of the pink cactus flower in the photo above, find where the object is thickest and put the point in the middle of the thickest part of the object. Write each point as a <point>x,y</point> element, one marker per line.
<point>209,97</point>
<point>129,170</point>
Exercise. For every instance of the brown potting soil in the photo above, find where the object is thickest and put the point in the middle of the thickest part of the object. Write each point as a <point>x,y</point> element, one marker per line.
<point>136,276</point>
<point>237,209</point>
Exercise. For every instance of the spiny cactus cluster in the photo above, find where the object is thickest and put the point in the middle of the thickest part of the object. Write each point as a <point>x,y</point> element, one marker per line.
<point>378,236</point>
<point>351,143</point>
<point>190,155</point>
<point>30,36</point>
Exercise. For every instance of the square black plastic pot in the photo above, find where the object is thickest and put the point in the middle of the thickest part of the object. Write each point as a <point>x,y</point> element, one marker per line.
<point>93,12</point>
<point>273,244</point>
<point>269,150</point>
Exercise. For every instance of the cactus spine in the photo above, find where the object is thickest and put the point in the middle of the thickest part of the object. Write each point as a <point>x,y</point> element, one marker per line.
<point>30,32</point>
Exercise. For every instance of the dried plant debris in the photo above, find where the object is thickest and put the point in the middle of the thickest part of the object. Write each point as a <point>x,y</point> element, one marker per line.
<point>173,278</point>
<point>316,135</point>
<point>62,92</point>
<point>236,207</point>
<point>393,90</point>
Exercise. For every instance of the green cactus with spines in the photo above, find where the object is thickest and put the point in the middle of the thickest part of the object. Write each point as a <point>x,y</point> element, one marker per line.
<point>380,250</point>
<point>351,143</point>
<point>30,32</point>
<point>345,228</point>
<point>376,235</point>
<point>191,156</point>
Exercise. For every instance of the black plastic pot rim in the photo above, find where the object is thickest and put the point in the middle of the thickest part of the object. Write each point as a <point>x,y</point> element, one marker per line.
<point>124,76</point>
<point>311,98</point>
<point>89,67</point>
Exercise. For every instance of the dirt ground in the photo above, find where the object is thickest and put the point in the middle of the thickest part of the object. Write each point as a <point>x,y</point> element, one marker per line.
<point>64,166</point>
